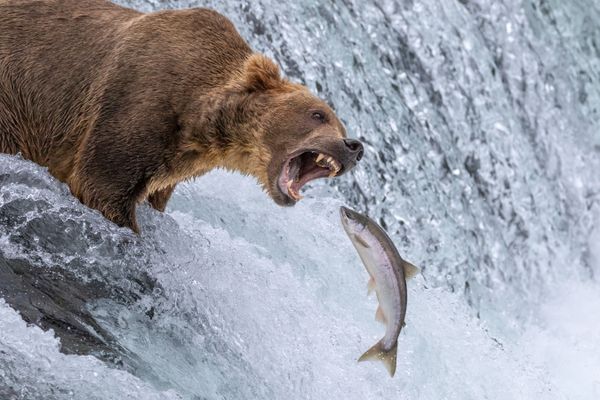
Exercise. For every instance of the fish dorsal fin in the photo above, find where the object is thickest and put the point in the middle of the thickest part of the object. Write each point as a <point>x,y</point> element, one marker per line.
<point>410,270</point>
<point>379,316</point>
<point>361,241</point>
<point>370,286</point>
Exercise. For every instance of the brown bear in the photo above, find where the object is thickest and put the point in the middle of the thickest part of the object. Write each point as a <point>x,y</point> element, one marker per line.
<point>122,105</point>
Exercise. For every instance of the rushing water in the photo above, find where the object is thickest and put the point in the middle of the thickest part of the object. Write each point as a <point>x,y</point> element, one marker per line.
<point>482,128</point>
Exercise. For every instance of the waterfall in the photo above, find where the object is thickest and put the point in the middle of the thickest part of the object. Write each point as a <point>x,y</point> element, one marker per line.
<point>481,127</point>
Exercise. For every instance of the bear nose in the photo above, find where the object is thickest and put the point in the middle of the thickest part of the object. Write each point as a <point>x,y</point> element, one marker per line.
<point>356,148</point>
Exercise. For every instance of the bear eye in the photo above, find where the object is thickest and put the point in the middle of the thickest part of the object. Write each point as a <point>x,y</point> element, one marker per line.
<point>319,116</point>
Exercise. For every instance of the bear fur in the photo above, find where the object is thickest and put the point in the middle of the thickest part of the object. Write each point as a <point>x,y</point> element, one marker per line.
<point>122,105</point>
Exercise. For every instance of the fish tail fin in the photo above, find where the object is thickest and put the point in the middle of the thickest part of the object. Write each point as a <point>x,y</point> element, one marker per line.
<point>388,357</point>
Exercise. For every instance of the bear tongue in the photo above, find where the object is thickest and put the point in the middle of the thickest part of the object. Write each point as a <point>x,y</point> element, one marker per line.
<point>294,169</point>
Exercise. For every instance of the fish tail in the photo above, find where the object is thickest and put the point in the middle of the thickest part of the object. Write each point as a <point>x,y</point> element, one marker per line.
<point>388,357</point>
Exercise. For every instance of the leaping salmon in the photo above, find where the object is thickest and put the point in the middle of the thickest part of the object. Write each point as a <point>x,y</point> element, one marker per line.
<point>388,273</point>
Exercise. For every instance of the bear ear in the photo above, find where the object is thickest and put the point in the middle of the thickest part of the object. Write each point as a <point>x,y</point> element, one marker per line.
<point>260,73</point>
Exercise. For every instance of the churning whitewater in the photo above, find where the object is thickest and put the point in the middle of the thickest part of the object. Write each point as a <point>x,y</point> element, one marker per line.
<point>481,158</point>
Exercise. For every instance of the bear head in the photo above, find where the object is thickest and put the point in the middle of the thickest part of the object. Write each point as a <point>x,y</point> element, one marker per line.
<point>303,137</point>
<point>277,131</point>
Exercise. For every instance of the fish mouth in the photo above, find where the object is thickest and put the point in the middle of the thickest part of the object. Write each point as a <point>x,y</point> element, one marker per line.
<point>346,213</point>
<point>304,167</point>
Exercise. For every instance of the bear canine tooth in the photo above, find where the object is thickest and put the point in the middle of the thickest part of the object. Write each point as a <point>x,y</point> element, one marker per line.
<point>320,157</point>
<point>293,194</point>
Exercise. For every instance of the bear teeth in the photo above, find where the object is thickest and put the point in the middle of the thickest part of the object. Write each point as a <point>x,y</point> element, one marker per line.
<point>292,192</point>
<point>335,166</point>
<point>329,163</point>
<point>292,174</point>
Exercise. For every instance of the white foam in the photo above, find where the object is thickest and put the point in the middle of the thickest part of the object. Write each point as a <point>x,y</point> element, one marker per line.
<point>32,368</point>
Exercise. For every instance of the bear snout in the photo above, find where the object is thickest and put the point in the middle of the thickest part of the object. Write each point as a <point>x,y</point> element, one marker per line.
<point>356,148</point>
<point>348,152</point>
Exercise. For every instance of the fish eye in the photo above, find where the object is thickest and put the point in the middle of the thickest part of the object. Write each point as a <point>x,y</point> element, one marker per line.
<point>350,215</point>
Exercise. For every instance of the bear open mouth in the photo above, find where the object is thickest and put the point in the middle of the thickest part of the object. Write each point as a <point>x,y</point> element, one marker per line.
<point>299,170</point>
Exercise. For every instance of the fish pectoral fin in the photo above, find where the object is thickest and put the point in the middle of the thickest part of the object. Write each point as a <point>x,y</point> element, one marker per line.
<point>370,286</point>
<point>361,241</point>
<point>379,316</point>
<point>388,357</point>
<point>410,270</point>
